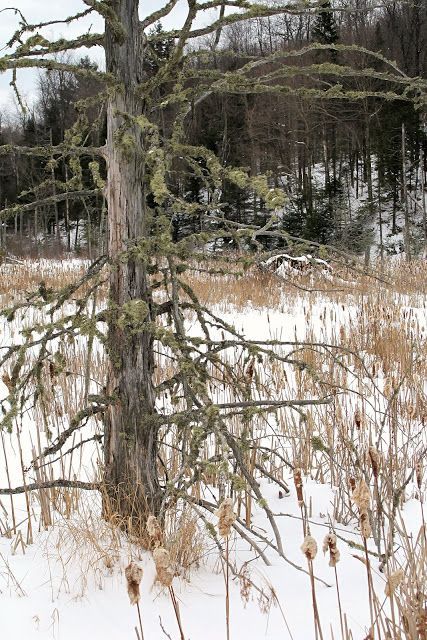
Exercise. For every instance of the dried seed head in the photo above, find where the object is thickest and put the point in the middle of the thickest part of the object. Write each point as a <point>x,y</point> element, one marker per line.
<point>154,531</point>
<point>250,369</point>
<point>393,581</point>
<point>358,418</point>
<point>226,517</point>
<point>361,496</point>
<point>375,459</point>
<point>388,388</point>
<point>165,576</point>
<point>161,557</point>
<point>330,544</point>
<point>365,527</point>
<point>421,624</point>
<point>309,547</point>
<point>133,573</point>
<point>164,570</point>
<point>298,486</point>
<point>419,473</point>
<point>412,411</point>
<point>352,483</point>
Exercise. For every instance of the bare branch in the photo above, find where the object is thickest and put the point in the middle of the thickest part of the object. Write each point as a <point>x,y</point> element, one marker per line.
<point>51,484</point>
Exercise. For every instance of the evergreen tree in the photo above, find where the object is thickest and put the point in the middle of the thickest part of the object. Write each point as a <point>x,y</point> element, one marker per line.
<point>325,29</point>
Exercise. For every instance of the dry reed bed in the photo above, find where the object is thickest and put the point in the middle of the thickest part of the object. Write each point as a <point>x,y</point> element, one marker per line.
<point>377,377</point>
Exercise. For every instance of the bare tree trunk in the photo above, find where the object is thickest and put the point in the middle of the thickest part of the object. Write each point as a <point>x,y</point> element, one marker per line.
<point>131,474</point>
<point>56,208</point>
<point>380,220</point>
<point>67,215</point>
<point>423,198</point>
<point>407,232</point>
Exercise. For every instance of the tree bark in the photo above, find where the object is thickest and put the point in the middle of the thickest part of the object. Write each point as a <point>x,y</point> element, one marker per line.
<point>131,475</point>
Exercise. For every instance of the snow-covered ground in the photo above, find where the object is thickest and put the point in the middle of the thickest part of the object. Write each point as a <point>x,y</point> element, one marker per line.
<point>69,582</point>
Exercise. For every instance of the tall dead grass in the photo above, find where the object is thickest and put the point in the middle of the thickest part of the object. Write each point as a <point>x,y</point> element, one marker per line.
<point>365,344</point>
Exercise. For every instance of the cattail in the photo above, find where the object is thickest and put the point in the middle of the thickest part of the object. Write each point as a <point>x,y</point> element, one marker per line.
<point>226,517</point>
<point>419,473</point>
<point>164,570</point>
<point>393,581</point>
<point>375,459</point>
<point>133,573</point>
<point>421,624</point>
<point>358,418</point>
<point>250,369</point>
<point>309,547</point>
<point>154,531</point>
<point>352,483</point>
<point>298,486</point>
<point>7,381</point>
<point>388,388</point>
<point>330,544</point>
<point>412,411</point>
<point>365,527</point>
<point>361,496</point>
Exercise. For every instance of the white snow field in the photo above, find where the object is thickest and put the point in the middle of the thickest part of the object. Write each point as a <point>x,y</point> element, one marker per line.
<point>64,579</point>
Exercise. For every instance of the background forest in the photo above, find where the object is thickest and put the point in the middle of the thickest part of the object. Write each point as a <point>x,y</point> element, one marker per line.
<point>353,170</point>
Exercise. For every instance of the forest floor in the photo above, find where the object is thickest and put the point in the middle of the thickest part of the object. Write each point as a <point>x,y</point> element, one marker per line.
<point>62,566</point>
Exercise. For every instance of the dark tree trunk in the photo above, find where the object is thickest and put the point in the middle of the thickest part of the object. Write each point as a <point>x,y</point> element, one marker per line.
<point>131,477</point>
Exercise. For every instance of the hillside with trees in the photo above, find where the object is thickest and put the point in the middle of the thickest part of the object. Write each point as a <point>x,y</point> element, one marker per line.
<point>353,170</point>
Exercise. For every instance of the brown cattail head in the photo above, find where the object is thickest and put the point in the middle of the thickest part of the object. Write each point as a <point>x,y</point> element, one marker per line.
<point>226,517</point>
<point>375,459</point>
<point>298,486</point>
<point>358,418</point>
<point>365,527</point>
<point>419,473</point>
<point>352,483</point>
<point>154,531</point>
<point>330,544</point>
<point>133,573</point>
<point>393,581</point>
<point>250,369</point>
<point>309,547</point>
<point>421,624</point>
<point>163,563</point>
<point>362,499</point>
<point>362,496</point>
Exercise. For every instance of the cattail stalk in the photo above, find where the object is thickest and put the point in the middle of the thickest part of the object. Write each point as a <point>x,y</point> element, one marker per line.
<point>227,587</point>
<point>162,560</point>
<point>309,549</point>
<point>330,544</point>
<point>300,498</point>
<point>362,498</point>
<point>134,573</point>
<point>226,518</point>
<point>165,576</point>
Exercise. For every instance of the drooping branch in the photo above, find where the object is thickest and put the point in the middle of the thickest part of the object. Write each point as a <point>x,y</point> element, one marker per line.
<point>52,484</point>
<point>29,28</point>
<point>251,11</point>
<point>48,151</point>
<point>9,212</point>
<point>76,423</point>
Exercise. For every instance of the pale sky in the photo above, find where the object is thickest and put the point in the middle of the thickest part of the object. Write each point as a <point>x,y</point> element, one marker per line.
<point>36,11</point>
